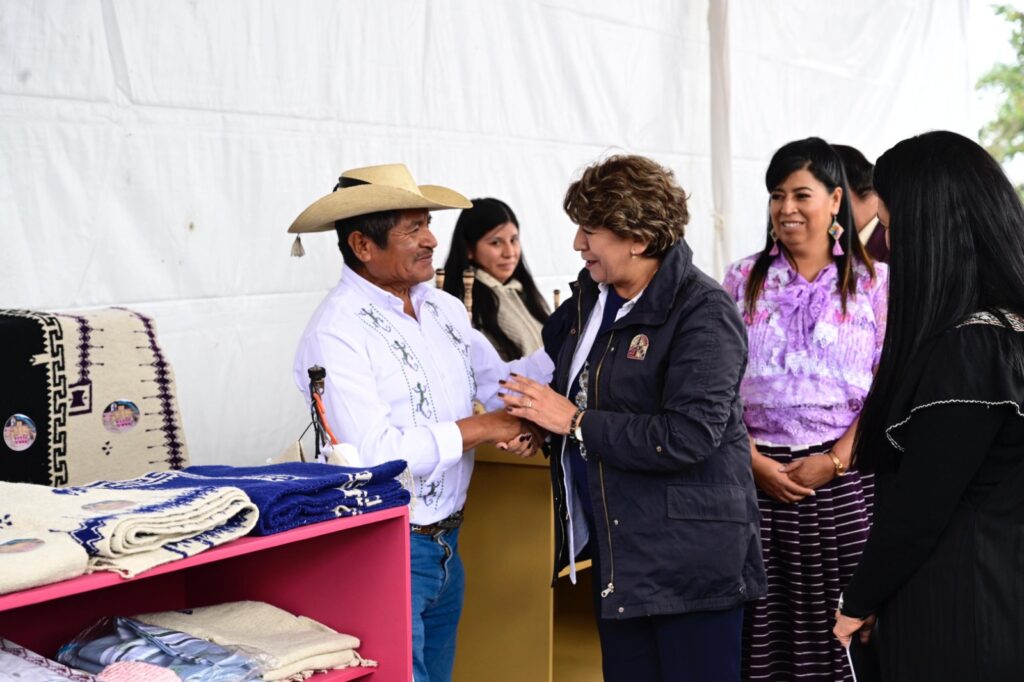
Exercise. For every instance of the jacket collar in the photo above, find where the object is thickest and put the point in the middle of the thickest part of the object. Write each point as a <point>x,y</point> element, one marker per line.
<point>659,296</point>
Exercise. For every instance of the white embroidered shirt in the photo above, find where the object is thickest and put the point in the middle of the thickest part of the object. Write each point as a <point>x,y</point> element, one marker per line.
<point>396,385</point>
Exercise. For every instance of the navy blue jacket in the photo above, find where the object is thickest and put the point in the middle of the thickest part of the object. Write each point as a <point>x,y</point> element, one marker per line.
<point>668,457</point>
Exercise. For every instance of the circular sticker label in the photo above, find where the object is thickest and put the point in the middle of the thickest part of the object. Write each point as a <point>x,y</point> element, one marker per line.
<point>108,505</point>
<point>19,432</point>
<point>120,416</point>
<point>20,545</point>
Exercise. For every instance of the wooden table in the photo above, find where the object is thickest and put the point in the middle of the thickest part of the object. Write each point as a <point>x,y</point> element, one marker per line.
<point>514,626</point>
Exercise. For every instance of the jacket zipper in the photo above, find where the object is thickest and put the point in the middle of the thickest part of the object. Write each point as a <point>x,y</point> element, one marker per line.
<point>600,470</point>
<point>563,508</point>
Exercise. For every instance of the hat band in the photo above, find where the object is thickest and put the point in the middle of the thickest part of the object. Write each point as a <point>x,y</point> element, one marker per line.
<point>344,182</point>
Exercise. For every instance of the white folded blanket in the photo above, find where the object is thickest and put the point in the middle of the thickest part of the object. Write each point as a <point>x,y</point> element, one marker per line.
<point>291,645</point>
<point>25,665</point>
<point>29,558</point>
<point>131,530</point>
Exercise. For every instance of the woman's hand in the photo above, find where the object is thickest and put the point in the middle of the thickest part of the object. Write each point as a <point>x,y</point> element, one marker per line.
<point>527,399</point>
<point>523,445</point>
<point>812,471</point>
<point>775,483</point>
<point>528,443</point>
<point>847,626</point>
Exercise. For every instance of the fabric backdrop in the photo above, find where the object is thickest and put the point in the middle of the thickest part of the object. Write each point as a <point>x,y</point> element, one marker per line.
<point>155,151</point>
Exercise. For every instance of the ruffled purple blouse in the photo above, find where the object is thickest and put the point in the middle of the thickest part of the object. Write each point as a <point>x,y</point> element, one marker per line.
<point>810,367</point>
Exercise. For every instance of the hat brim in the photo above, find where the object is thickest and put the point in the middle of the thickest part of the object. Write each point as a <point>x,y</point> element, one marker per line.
<point>362,199</point>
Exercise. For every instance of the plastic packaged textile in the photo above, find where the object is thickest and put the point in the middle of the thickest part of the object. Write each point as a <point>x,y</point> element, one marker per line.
<point>114,639</point>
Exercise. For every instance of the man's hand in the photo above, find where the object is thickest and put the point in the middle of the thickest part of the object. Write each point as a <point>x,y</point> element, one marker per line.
<point>497,427</point>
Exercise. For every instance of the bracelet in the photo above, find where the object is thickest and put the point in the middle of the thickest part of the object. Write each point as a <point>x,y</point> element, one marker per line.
<point>837,463</point>
<point>574,423</point>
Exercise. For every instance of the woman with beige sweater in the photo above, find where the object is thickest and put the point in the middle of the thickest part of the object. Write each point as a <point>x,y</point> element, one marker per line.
<point>507,307</point>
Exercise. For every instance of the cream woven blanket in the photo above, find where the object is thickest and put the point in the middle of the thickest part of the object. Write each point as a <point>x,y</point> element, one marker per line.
<point>291,646</point>
<point>131,530</point>
<point>31,558</point>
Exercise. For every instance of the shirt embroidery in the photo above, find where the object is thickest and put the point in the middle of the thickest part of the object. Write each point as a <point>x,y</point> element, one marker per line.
<point>420,400</point>
<point>457,342</point>
<point>985,317</point>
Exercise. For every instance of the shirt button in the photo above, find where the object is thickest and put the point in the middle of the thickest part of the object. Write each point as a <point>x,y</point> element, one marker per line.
<point>621,610</point>
<point>573,331</point>
<point>612,349</point>
<point>616,522</point>
<point>657,448</point>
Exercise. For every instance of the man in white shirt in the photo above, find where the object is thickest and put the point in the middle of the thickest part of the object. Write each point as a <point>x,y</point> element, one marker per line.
<point>403,369</point>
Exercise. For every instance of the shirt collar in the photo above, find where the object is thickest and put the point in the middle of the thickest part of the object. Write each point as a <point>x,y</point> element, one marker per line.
<point>865,234</point>
<point>418,293</point>
<point>627,306</point>
<point>781,272</point>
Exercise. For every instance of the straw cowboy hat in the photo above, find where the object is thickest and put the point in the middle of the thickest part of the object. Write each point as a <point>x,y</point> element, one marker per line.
<point>367,190</point>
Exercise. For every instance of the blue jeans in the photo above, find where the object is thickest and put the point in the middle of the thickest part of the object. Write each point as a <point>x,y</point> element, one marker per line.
<point>438,583</point>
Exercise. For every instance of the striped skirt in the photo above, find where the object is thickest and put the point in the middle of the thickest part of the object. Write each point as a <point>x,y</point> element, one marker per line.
<point>811,549</point>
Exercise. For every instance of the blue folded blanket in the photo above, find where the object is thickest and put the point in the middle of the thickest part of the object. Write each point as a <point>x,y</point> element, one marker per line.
<point>294,494</point>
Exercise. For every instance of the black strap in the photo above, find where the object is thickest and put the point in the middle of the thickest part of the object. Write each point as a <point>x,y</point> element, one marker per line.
<point>344,182</point>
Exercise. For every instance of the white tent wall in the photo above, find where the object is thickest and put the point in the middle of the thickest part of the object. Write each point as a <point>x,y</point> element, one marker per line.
<point>155,152</point>
<point>866,74</point>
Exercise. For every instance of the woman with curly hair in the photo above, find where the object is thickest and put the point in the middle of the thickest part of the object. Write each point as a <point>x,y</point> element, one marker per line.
<point>650,464</point>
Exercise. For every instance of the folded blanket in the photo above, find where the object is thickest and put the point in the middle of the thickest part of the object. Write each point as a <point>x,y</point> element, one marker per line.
<point>295,494</point>
<point>129,528</point>
<point>29,558</point>
<point>371,498</point>
<point>190,658</point>
<point>290,644</point>
<point>24,665</point>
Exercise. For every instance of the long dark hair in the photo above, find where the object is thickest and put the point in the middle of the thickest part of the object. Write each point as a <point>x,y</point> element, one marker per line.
<point>957,247</point>
<point>818,158</point>
<point>472,225</point>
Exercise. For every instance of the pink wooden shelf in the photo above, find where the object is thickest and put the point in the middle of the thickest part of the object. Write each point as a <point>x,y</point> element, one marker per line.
<point>351,574</point>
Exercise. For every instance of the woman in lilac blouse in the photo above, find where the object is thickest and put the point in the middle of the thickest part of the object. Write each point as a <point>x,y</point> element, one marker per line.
<point>815,308</point>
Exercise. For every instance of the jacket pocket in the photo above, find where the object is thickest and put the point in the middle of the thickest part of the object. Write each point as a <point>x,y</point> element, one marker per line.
<point>707,503</point>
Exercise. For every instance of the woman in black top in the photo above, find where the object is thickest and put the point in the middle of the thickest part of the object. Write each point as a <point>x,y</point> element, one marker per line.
<point>943,426</point>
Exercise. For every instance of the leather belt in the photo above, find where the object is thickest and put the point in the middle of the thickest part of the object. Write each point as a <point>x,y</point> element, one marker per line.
<point>434,529</point>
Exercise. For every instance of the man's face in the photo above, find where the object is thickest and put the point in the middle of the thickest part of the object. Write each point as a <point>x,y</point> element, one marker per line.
<point>408,258</point>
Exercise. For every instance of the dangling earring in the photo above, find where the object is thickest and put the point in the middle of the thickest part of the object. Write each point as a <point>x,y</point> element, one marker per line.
<point>836,231</point>
<point>775,243</point>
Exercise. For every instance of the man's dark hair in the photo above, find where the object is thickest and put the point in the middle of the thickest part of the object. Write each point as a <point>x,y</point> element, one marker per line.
<point>374,225</point>
<point>858,169</point>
